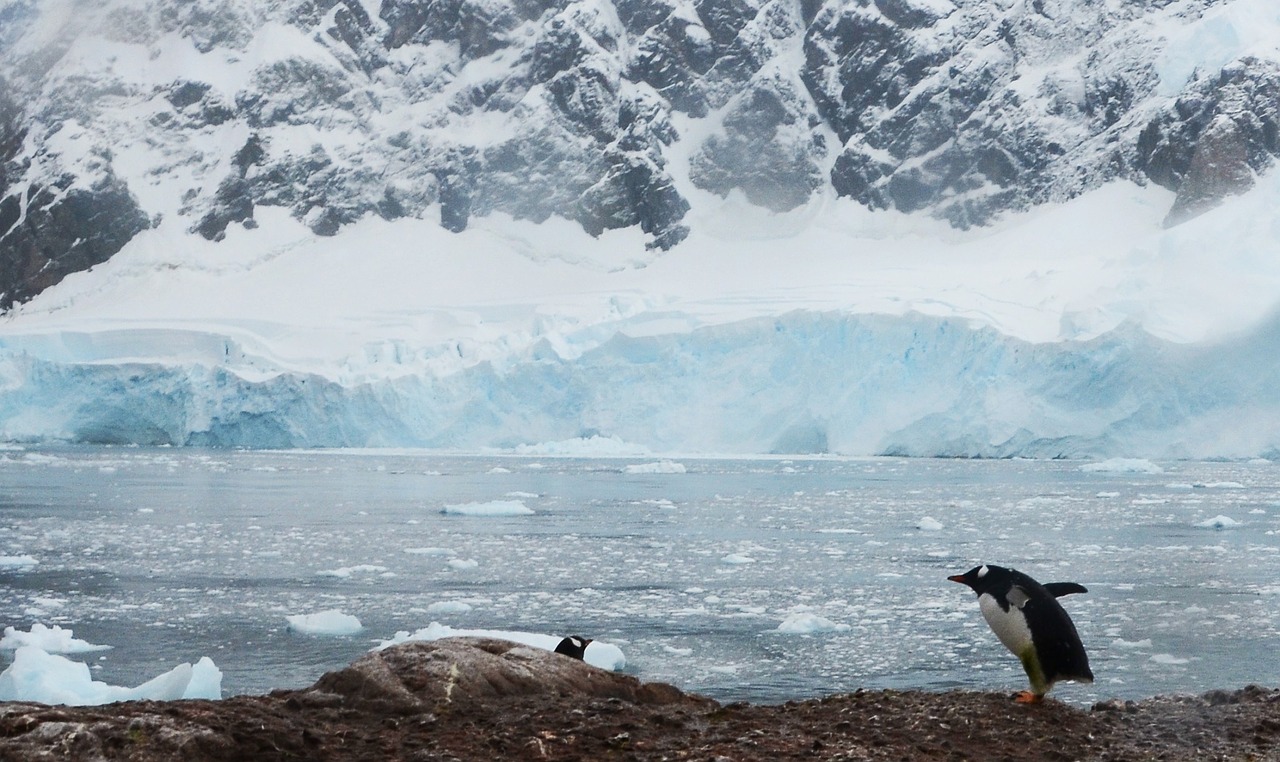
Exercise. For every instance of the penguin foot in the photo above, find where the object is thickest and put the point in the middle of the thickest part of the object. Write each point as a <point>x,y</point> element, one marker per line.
<point>1027,697</point>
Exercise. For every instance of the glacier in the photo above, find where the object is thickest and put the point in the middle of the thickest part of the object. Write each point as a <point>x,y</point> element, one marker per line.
<point>995,231</point>
<point>1084,329</point>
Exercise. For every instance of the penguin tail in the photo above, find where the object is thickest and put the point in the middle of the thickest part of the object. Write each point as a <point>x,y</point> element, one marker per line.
<point>1084,675</point>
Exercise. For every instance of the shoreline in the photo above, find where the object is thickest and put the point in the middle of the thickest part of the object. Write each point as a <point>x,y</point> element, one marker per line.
<point>476,698</point>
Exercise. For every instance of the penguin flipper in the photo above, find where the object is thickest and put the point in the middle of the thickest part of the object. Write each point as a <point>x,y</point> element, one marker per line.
<point>1059,589</point>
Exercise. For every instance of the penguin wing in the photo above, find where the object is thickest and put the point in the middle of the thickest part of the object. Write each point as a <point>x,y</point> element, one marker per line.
<point>1059,589</point>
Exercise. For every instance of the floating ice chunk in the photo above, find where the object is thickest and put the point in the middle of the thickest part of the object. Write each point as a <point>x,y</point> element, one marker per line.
<point>1123,466</point>
<point>1224,485</point>
<point>492,508</point>
<point>206,681</point>
<point>463,563</point>
<point>584,447</point>
<point>661,467</point>
<point>678,651</point>
<point>737,558</point>
<point>48,678</point>
<point>929,524</point>
<point>599,654</point>
<point>54,640</point>
<point>1131,644</point>
<point>330,622</point>
<point>1219,522</point>
<point>809,624</point>
<point>448,607</point>
<point>1107,495</point>
<point>346,571</point>
<point>17,562</point>
<point>429,551</point>
<point>1168,659</point>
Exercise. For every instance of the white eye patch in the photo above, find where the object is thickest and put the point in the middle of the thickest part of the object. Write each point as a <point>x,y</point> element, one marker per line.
<point>982,571</point>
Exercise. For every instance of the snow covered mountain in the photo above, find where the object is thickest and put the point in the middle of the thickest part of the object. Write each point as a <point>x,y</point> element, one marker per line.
<point>607,112</point>
<point>956,227</point>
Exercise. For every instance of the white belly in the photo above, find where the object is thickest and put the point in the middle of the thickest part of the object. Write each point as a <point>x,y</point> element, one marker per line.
<point>1010,626</point>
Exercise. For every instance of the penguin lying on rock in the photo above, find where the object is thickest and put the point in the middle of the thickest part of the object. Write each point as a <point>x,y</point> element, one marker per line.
<point>574,646</point>
<point>1028,619</point>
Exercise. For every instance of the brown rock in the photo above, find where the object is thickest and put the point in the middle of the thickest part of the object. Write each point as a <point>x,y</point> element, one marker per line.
<point>1219,169</point>
<point>476,699</point>
<point>461,672</point>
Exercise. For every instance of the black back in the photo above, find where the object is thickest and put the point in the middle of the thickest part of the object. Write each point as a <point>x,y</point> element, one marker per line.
<point>1062,655</point>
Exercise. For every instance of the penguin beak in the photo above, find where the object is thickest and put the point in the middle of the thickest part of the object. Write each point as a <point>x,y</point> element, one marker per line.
<point>958,578</point>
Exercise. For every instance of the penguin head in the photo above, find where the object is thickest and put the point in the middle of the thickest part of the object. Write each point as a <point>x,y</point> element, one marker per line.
<point>983,578</point>
<point>574,646</point>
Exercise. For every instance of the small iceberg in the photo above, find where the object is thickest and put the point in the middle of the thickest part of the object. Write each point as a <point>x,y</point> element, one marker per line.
<point>492,508</point>
<point>51,679</point>
<point>54,640</point>
<point>1123,466</point>
<point>661,467</point>
<point>332,623</point>
<point>1219,522</point>
<point>809,624</point>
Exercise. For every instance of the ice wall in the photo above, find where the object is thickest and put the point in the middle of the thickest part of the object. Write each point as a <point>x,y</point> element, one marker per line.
<point>801,382</point>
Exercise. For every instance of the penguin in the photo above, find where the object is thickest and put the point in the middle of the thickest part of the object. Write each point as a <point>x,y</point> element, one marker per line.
<point>1030,622</point>
<point>574,646</point>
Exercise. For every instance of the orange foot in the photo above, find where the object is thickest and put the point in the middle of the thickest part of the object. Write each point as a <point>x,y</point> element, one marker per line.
<point>1027,697</point>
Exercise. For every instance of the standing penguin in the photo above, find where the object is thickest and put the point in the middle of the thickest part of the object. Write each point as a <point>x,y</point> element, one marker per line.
<point>1028,619</point>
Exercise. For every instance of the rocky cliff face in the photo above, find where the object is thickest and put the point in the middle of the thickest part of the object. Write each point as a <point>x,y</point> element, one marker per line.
<point>116,117</point>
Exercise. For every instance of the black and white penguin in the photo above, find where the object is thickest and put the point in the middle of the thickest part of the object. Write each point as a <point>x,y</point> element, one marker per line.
<point>1028,619</point>
<point>574,645</point>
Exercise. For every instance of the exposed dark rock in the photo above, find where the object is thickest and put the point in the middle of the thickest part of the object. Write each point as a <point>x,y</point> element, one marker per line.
<point>1219,168</point>
<point>768,150</point>
<point>455,177</point>
<point>468,698</point>
<point>479,28</point>
<point>64,229</point>
<point>12,133</point>
<point>1210,142</point>
<point>961,109</point>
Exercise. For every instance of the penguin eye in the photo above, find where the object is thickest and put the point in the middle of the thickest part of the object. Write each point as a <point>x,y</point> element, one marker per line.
<point>982,571</point>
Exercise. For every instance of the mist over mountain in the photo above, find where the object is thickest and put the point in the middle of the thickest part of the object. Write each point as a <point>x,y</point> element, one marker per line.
<point>611,113</point>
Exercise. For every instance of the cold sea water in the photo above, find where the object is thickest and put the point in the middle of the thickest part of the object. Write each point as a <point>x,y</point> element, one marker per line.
<point>752,579</point>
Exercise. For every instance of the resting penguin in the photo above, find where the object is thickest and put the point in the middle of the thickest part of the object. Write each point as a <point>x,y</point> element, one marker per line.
<point>574,645</point>
<point>1032,624</point>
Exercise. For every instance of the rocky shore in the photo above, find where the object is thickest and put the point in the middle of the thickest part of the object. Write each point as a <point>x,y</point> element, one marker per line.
<point>478,699</point>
